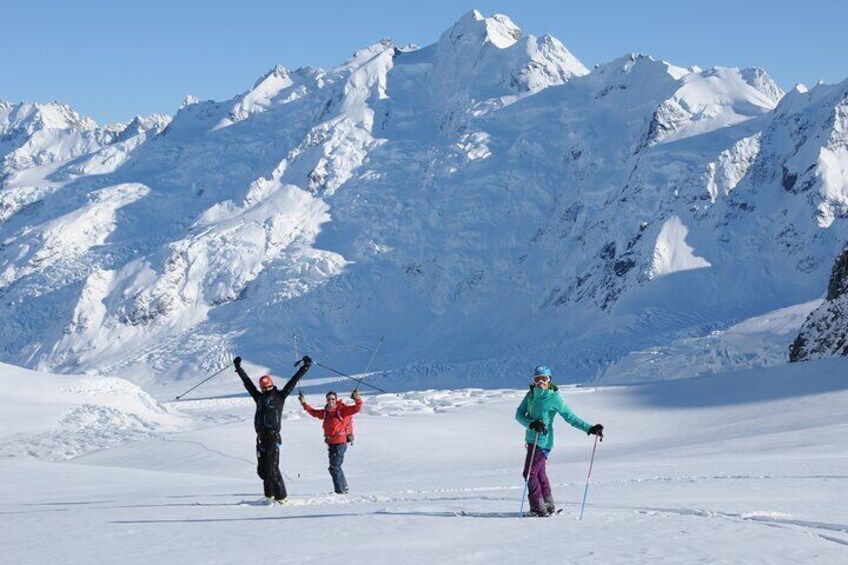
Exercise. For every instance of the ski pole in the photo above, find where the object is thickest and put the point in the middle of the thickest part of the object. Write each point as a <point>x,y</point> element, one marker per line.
<point>294,336</point>
<point>368,366</point>
<point>373,355</point>
<point>215,374</point>
<point>352,378</point>
<point>588,478</point>
<point>527,479</point>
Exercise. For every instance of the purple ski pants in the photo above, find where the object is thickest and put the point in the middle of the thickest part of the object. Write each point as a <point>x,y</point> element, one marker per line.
<point>538,486</point>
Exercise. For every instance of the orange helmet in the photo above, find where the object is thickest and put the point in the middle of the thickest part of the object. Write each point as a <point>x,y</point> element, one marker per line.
<point>265,381</point>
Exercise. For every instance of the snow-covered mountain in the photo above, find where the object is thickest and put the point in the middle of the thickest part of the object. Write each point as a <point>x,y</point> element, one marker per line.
<point>35,135</point>
<point>484,201</point>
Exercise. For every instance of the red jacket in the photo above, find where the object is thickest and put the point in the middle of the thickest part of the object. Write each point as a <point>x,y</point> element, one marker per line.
<point>337,423</point>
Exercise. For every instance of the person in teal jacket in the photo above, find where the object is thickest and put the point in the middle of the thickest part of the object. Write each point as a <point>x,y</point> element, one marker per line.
<point>536,413</point>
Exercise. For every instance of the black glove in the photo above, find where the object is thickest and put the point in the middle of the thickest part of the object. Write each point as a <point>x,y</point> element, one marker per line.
<point>355,394</point>
<point>598,430</point>
<point>307,361</point>
<point>300,396</point>
<point>539,427</point>
<point>237,362</point>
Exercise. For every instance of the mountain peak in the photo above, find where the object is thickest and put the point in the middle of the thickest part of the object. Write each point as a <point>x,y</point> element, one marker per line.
<point>473,27</point>
<point>638,68</point>
<point>139,124</point>
<point>277,72</point>
<point>360,56</point>
<point>488,58</point>
<point>189,100</point>
<point>30,117</point>
<point>762,81</point>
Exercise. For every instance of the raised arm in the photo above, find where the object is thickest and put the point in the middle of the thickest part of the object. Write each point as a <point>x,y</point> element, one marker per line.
<point>314,412</point>
<point>347,410</point>
<point>248,384</point>
<point>245,380</point>
<point>307,362</point>
<point>572,418</point>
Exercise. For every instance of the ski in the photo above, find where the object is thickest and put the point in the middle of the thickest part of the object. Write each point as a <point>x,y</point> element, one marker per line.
<point>467,514</point>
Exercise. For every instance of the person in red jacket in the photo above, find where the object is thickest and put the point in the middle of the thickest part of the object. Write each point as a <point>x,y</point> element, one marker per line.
<point>337,418</point>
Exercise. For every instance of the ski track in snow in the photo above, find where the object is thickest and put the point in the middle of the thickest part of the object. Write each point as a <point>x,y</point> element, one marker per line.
<point>765,518</point>
<point>771,519</point>
<point>209,449</point>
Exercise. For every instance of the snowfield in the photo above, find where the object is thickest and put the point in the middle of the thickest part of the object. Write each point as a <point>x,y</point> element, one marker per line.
<point>746,467</point>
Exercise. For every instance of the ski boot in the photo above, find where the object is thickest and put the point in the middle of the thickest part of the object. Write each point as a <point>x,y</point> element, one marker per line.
<point>538,510</point>
<point>549,505</point>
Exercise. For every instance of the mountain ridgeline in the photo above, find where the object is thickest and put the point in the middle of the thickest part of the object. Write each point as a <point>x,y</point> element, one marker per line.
<point>486,202</point>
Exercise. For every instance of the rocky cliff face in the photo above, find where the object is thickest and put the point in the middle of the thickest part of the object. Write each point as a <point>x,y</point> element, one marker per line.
<point>825,332</point>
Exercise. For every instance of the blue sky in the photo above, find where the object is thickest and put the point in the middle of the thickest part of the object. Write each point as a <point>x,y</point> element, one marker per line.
<point>112,60</point>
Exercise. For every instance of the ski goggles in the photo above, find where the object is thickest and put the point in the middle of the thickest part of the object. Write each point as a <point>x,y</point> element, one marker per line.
<point>541,378</point>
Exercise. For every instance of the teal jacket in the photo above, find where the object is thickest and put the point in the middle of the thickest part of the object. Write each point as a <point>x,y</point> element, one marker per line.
<point>544,404</point>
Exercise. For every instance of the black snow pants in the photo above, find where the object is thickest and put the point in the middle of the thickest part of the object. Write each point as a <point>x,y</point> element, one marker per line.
<point>268,465</point>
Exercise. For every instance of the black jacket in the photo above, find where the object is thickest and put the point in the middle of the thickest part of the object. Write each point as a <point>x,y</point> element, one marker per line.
<point>269,405</point>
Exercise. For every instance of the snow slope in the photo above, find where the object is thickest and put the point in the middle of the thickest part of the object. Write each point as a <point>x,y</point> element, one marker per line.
<point>733,468</point>
<point>483,202</point>
<point>756,342</point>
<point>57,417</point>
